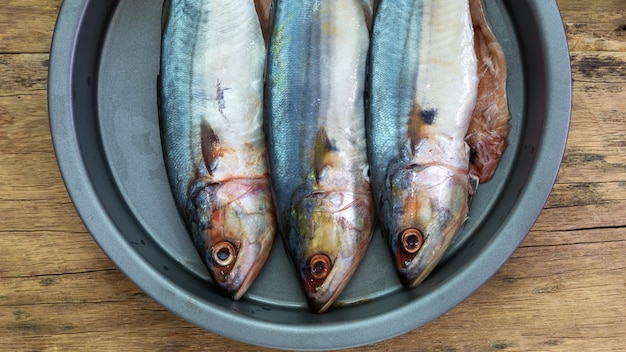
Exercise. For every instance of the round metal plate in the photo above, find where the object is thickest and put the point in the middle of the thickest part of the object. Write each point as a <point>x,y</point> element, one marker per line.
<point>103,116</point>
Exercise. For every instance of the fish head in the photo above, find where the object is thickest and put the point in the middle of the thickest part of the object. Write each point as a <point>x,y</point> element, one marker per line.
<point>425,209</point>
<point>233,227</point>
<point>329,239</point>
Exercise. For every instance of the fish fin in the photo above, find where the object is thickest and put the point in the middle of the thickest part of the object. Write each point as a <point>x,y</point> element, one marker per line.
<point>473,183</point>
<point>211,149</point>
<point>165,14</point>
<point>419,121</point>
<point>415,127</point>
<point>369,11</point>
<point>263,8</point>
<point>323,152</point>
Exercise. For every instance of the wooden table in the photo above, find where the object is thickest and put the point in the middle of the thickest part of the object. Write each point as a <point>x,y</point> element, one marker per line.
<point>564,289</point>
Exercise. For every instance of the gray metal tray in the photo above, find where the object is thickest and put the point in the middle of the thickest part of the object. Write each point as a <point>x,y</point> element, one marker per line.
<point>103,116</point>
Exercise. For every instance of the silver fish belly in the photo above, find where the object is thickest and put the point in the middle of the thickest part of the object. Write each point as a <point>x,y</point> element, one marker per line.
<point>423,87</point>
<point>210,91</point>
<point>316,130</point>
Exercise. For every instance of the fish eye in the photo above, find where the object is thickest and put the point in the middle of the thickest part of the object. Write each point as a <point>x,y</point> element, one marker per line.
<point>319,266</point>
<point>223,253</point>
<point>411,240</point>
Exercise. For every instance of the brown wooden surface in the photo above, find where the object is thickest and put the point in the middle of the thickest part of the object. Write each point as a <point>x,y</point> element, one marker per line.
<point>564,289</point>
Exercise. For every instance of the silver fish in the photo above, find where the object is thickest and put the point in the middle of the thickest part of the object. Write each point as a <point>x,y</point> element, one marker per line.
<point>423,87</point>
<point>210,101</point>
<point>316,130</point>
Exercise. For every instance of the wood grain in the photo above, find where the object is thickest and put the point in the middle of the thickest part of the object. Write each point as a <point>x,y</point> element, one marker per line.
<point>26,25</point>
<point>564,289</point>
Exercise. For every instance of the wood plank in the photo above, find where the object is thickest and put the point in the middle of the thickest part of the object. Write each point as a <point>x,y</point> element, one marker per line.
<point>564,306</point>
<point>24,127</point>
<point>599,100</point>
<point>92,286</point>
<point>23,74</point>
<point>585,194</point>
<point>44,252</point>
<point>539,238</point>
<point>26,25</point>
<point>597,163</point>
<point>594,25</point>
<point>585,206</point>
<point>30,177</point>
<point>599,67</point>
<point>98,326</point>
<point>21,212</point>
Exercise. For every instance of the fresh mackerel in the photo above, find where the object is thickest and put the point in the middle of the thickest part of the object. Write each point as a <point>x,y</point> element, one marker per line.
<point>210,102</point>
<point>423,88</point>
<point>316,133</point>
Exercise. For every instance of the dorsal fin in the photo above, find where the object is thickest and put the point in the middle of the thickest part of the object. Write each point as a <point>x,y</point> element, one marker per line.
<point>211,149</point>
<point>263,12</point>
<point>165,14</point>
<point>369,11</point>
<point>323,152</point>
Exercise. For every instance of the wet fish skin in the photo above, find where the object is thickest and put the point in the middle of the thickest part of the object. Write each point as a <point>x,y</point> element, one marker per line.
<point>422,87</point>
<point>210,109</point>
<point>316,133</point>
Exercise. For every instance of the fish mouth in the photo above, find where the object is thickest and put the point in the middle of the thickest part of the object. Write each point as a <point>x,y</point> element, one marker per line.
<point>329,239</point>
<point>235,270</point>
<point>430,210</point>
<point>232,224</point>
<point>324,285</point>
<point>413,267</point>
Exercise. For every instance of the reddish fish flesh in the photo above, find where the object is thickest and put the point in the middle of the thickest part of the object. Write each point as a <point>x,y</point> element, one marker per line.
<point>489,128</point>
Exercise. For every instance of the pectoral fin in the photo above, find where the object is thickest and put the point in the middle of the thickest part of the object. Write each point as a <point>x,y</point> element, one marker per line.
<point>324,149</point>
<point>211,148</point>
